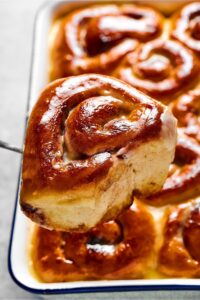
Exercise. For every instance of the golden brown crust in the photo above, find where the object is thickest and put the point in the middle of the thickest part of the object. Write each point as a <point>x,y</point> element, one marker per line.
<point>113,250</point>
<point>94,39</point>
<point>186,26</point>
<point>179,255</point>
<point>58,127</point>
<point>183,180</point>
<point>85,136</point>
<point>161,69</point>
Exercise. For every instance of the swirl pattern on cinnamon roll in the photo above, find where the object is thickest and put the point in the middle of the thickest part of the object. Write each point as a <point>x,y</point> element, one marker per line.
<point>187,110</point>
<point>179,255</point>
<point>183,180</point>
<point>87,141</point>
<point>113,250</point>
<point>186,26</point>
<point>160,69</point>
<point>94,39</point>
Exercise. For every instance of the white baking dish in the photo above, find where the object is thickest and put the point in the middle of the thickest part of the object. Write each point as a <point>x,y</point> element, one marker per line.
<point>18,262</point>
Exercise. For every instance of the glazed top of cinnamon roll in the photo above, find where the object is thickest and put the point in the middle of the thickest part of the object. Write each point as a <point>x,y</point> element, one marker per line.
<point>86,140</point>
<point>161,68</point>
<point>78,124</point>
<point>187,110</point>
<point>186,26</point>
<point>183,179</point>
<point>94,39</point>
<point>179,255</point>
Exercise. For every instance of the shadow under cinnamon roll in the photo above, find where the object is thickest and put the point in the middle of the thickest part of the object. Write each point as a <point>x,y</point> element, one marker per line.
<point>161,69</point>
<point>117,249</point>
<point>94,39</point>
<point>179,255</point>
<point>87,142</point>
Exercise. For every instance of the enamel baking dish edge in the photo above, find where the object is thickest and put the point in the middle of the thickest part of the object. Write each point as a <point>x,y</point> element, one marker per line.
<point>18,262</point>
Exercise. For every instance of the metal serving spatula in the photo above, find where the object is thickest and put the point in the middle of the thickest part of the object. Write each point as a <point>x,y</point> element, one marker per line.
<point>10,147</point>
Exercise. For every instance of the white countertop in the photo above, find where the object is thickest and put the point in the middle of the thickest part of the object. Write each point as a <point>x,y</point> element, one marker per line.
<point>16,24</point>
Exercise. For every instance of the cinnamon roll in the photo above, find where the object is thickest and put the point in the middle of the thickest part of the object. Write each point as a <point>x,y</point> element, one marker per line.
<point>179,255</point>
<point>87,142</point>
<point>186,26</point>
<point>187,110</point>
<point>94,39</point>
<point>161,69</point>
<point>113,250</point>
<point>183,180</point>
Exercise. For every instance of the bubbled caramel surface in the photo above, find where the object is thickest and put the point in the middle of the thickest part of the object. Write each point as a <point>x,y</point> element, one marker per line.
<point>160,235</point>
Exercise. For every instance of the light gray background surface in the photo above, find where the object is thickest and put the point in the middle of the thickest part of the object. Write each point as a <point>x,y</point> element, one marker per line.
<point>16,25</point>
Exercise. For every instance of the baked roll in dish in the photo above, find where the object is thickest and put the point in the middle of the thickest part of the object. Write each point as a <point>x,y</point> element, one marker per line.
<point>187,110</point>
<point>94,39</point>
<point>179,255</point>
<point>160,68</point>
<point>92,143</point>
<point>186,26</point>
<point>117,249</point>
<point>183,180</point>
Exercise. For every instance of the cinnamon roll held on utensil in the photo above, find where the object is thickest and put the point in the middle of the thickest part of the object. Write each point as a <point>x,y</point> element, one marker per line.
<point>93,142</point>
<point>179,255</point>
<point>94,39</point>
<point>117,249</point>
<point>160,68</point>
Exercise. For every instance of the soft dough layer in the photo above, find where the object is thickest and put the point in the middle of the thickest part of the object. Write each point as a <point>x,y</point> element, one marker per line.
<point>140,167</point>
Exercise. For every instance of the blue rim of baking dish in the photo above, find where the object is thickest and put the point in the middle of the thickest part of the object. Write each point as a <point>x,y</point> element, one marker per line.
<point>77,290</point>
